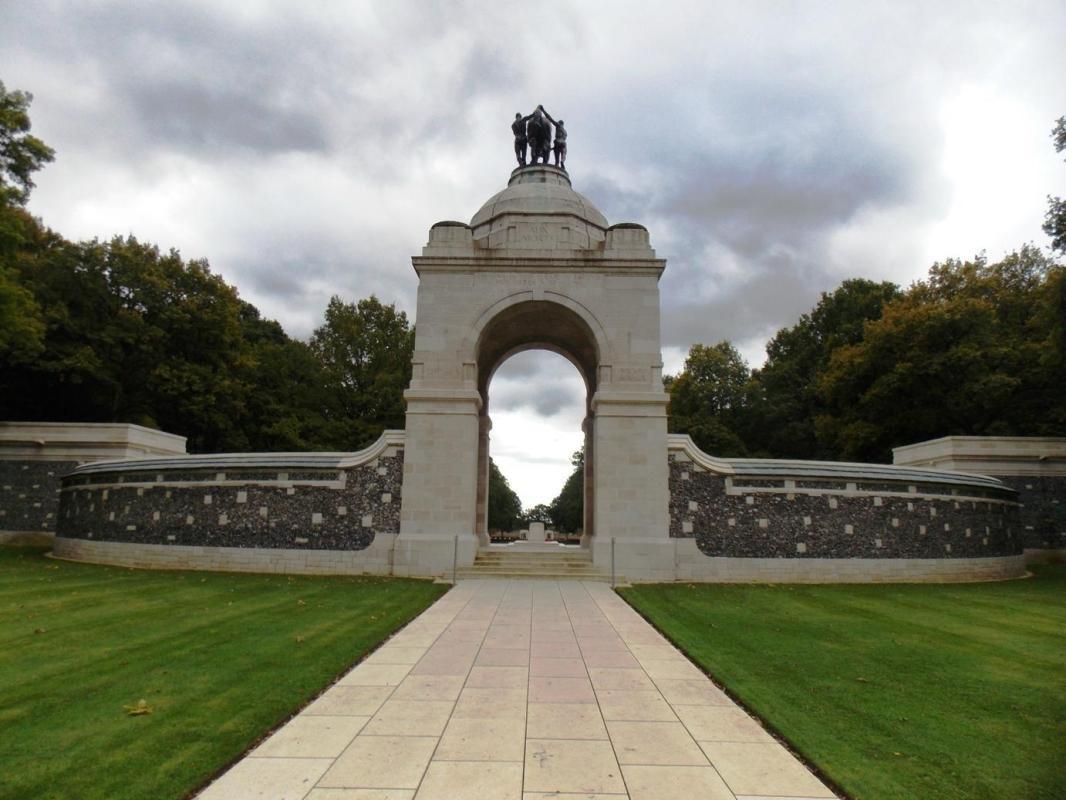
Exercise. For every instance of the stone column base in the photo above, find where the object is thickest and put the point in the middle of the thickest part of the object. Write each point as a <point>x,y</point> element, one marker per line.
<point>432,556</point>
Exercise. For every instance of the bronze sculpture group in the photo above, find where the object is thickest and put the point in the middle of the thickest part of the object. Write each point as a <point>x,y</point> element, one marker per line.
<point>534,131</point>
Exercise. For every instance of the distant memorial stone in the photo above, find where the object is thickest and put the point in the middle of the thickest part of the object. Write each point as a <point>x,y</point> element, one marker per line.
<point>536,532</point>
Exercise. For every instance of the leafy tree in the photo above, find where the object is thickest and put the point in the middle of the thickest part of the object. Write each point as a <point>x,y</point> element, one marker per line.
<point>567,510</point>
<point>21,154</point>
<point>505,509</point>
<point>1055,221</point>
<point>539,513</point>
<point>132,335</point>
<point>787,399</point>
<point>366,349</point>
<point>963,352</point>
<point>21,326</point>
<point>709,399</point>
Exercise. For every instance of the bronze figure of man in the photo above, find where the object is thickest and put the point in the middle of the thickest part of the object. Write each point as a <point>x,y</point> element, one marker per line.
<point>560,141</point>
<point>518,128</point>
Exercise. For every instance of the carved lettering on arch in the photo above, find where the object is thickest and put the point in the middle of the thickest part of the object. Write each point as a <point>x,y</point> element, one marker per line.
<point>632,374</point>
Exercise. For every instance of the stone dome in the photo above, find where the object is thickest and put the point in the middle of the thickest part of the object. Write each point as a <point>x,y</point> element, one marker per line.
<point>539,189</point>
<point>539,210</point>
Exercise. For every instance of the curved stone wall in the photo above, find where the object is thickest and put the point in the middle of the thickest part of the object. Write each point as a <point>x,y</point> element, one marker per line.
<point>235,511</point>
<point>841,521</point>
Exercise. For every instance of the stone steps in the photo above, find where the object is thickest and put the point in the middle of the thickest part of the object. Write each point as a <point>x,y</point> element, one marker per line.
<point>549,563</point>
<point>470,573</point>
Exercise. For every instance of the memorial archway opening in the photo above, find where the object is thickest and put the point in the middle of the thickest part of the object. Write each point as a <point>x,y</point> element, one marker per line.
<point>536,325</point>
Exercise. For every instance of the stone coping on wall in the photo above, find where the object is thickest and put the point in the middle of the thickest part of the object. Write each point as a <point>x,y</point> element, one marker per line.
<point>991,455</point>
<point>223,462</point>
<point>84,441</point>
<point>796,476</point>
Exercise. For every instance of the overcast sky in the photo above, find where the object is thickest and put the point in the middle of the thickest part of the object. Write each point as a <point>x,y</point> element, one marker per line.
<point>772,149</point>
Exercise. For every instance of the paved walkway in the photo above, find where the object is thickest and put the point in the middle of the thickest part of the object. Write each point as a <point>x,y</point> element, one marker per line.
<point>522,690</point>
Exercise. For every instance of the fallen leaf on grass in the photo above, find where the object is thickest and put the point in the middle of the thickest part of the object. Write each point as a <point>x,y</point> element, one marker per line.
<point>299,640</point>
<point>862,680</point>
<point>138,710</point>
<point>40,630</point>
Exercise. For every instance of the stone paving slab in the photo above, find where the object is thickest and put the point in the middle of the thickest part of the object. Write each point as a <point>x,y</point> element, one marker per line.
<point>522,690</point>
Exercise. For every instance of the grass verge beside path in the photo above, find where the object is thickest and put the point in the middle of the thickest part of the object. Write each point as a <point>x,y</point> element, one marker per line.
<point>906,691</point>
<point>220,659</point>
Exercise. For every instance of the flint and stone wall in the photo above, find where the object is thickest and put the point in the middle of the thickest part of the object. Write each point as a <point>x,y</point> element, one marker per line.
<point>29,496</point>
<point>265,512</point>
<point>35,455</point>
<point>810,521</point>
<point>1035,467</point>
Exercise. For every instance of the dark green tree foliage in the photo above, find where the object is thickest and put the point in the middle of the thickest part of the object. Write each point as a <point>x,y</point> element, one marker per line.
<point>366,349</point>
<point>782,425</point>
<point>1055,221</point>
<point>969,350</point>
<point>567,510</point>
<point>709,400</point>
<point>132,335</point>
<point>505,509</point>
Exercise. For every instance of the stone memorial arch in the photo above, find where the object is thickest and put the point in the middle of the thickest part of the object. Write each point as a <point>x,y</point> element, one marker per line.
<point>537,267</point>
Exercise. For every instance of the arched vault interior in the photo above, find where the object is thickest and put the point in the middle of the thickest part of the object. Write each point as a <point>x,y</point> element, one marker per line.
<point>536,324</point>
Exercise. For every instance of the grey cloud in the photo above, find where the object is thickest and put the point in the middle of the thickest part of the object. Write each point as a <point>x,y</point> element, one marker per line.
<point>203,117</point>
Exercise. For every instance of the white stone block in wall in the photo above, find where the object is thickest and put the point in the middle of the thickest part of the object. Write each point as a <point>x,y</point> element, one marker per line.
<point>878,501</point>
<point>242,497</point>
<point>342,511</point>
<point>316,518</point>
<point>686,526</point>
<point>849,529</point>
<point>207,499</point>
<point>189,520</point>
<point>223,519</point>
<point>263,511</point>
<point>693,505</point>
<point>749,499</point>
<point>368,520</point>
<point>832,502</point>
<point>764,523</point>
<point>801,547</point>
<point>155,516</point>
<point>386,498</point>
<point>731,522</point>
<point>806,520</point>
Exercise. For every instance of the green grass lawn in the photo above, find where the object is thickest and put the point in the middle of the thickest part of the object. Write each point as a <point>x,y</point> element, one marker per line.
<point>907,691</point>
<point>219,658</point>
